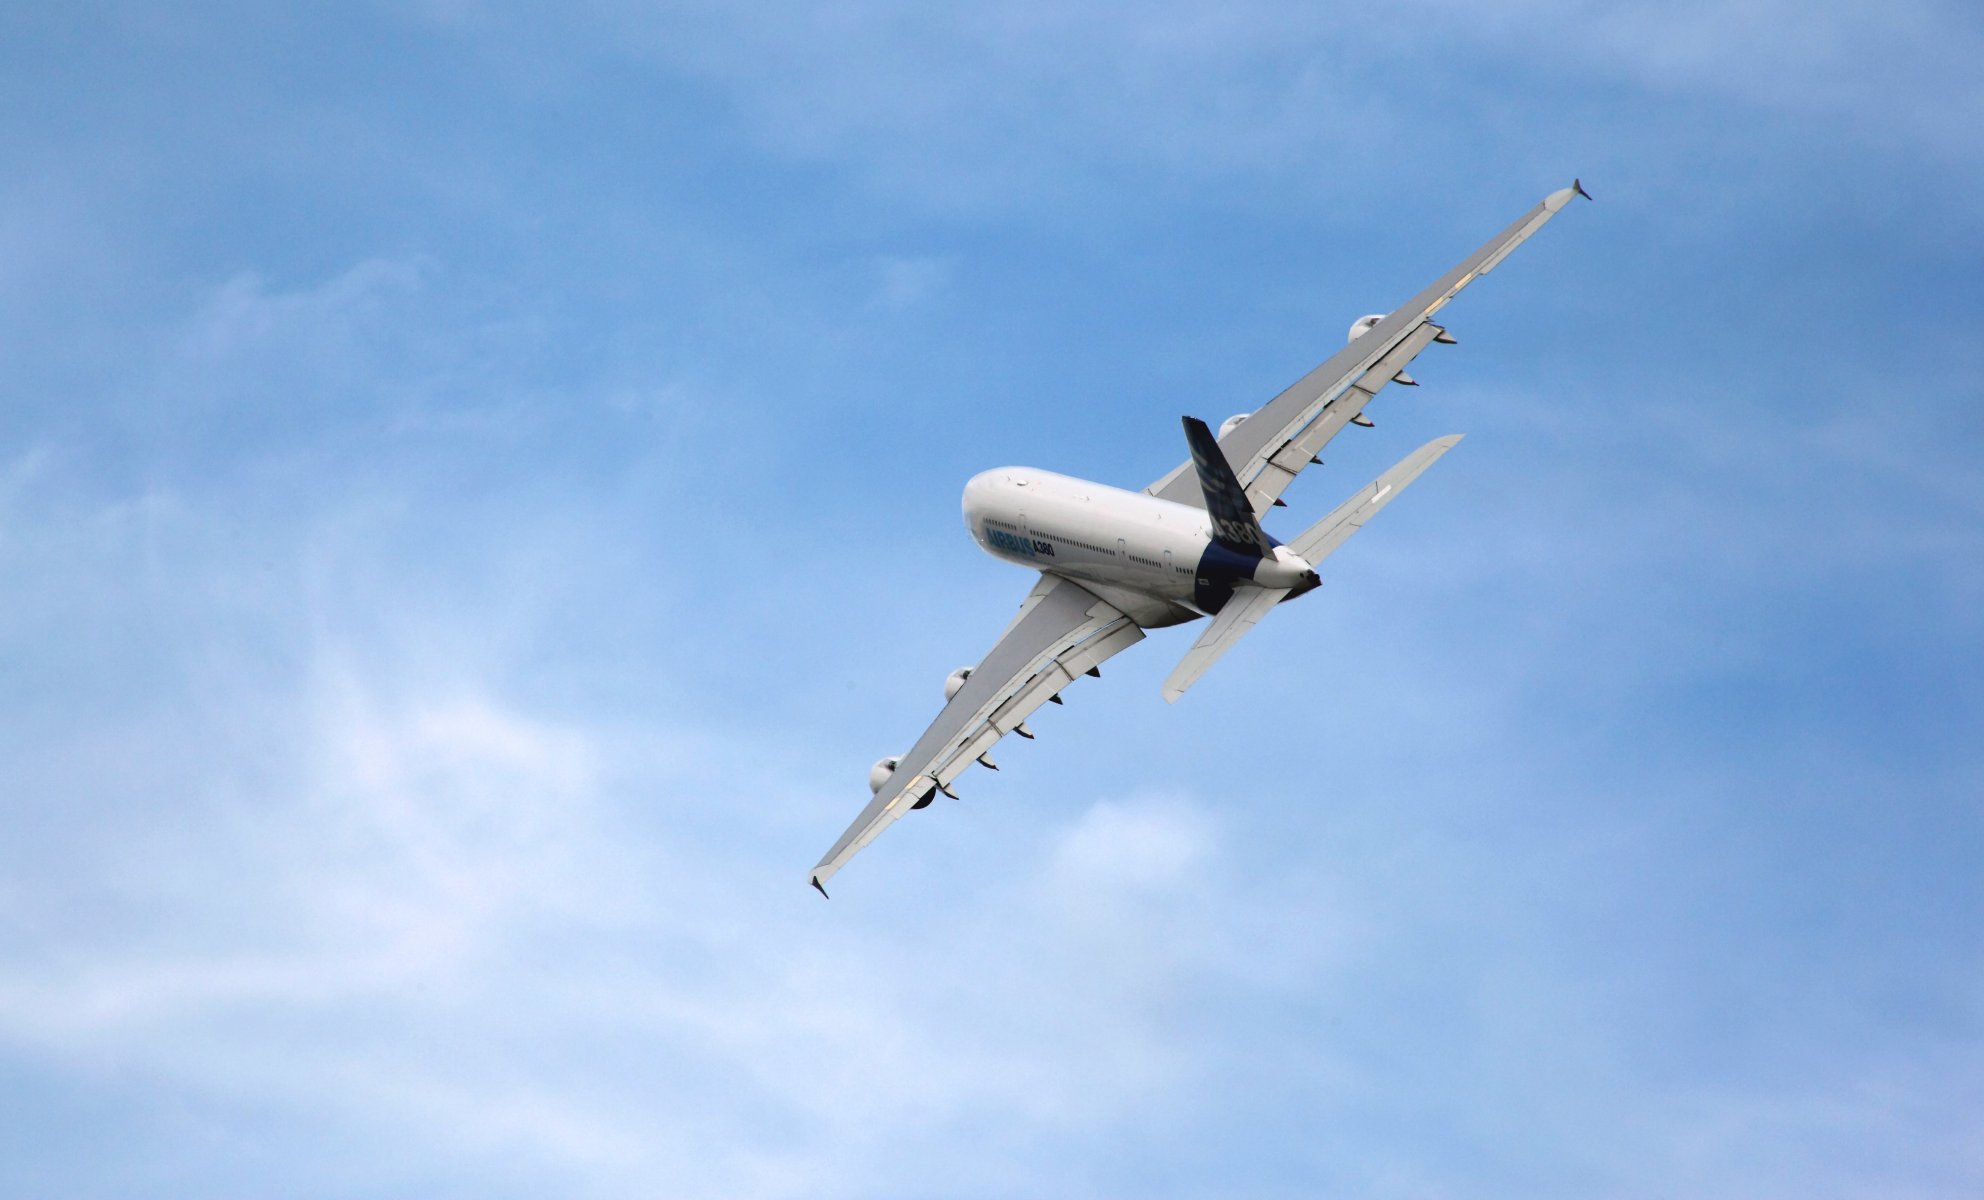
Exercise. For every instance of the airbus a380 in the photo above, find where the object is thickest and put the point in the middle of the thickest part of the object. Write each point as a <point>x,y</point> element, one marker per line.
<point>1114,563</point>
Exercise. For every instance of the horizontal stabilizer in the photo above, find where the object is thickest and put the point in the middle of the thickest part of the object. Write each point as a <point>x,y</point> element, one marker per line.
<point>1320,540</point>
<point>1249,603</point>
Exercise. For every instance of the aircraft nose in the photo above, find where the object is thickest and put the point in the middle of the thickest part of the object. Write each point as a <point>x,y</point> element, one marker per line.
<point>977,488</point>
<point>980,493</point>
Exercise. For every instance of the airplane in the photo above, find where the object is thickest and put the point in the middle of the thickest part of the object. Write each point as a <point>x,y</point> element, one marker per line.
<point>1114,563</point>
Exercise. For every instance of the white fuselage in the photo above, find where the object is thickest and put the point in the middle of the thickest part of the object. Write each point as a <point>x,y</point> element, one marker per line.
<point>1154,559</point>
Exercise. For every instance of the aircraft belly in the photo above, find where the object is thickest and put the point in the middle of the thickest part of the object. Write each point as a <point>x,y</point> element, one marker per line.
<point>1148,611</point>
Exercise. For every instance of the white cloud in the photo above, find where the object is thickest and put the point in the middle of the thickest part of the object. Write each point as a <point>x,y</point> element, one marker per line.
<point>481,929</point>
<point>1133,850</point>
<point>245,314</point>
<point>314,810</point>
<point>1900,70</point>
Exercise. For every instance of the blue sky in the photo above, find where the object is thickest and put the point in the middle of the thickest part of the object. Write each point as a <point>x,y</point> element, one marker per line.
<point>478,486</point>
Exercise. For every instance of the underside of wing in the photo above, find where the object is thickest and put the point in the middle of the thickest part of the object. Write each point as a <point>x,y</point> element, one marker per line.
<point>1272,446</point>
<point>1063,631</point>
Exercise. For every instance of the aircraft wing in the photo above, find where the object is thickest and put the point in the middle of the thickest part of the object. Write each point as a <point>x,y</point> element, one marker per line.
<point>1272,445</point>
<point>1062,631</point>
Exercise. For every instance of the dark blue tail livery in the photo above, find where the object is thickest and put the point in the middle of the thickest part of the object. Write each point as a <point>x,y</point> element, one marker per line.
<point>1233,523</point>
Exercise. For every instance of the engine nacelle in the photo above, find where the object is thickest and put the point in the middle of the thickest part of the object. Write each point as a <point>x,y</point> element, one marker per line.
<point>1232,423</point>
<point>955,680</point>
<point>1364,325</point>
<point>880,772</point>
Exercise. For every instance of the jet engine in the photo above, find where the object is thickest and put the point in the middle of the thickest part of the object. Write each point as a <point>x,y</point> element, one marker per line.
<point>955,680</point>
<point>1231,423</point>
<point>880,772</point>
<point>1364,325</point>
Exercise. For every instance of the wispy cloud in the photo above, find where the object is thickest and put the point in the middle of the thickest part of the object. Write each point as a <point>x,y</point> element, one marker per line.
<point>478,485</point>
<point>1033,103</point>
<point>455,871</point>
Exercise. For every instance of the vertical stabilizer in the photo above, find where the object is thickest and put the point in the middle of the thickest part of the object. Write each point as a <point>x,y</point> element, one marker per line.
<point>1233,523</point>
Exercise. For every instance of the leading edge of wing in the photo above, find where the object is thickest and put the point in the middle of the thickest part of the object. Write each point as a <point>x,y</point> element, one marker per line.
<point>1268,432</point>
<point>1063,630</point>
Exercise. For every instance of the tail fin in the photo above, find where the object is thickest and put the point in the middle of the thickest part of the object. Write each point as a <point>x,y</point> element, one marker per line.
<point>1233,523</point>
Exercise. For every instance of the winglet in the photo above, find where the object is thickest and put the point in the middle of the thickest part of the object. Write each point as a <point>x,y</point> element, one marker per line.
<point>818,888</point>
<point>1552,204</point>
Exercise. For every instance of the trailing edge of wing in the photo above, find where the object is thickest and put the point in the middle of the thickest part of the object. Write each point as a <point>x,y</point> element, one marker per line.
<point>1063,632</point>
<point>1277,441</point>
